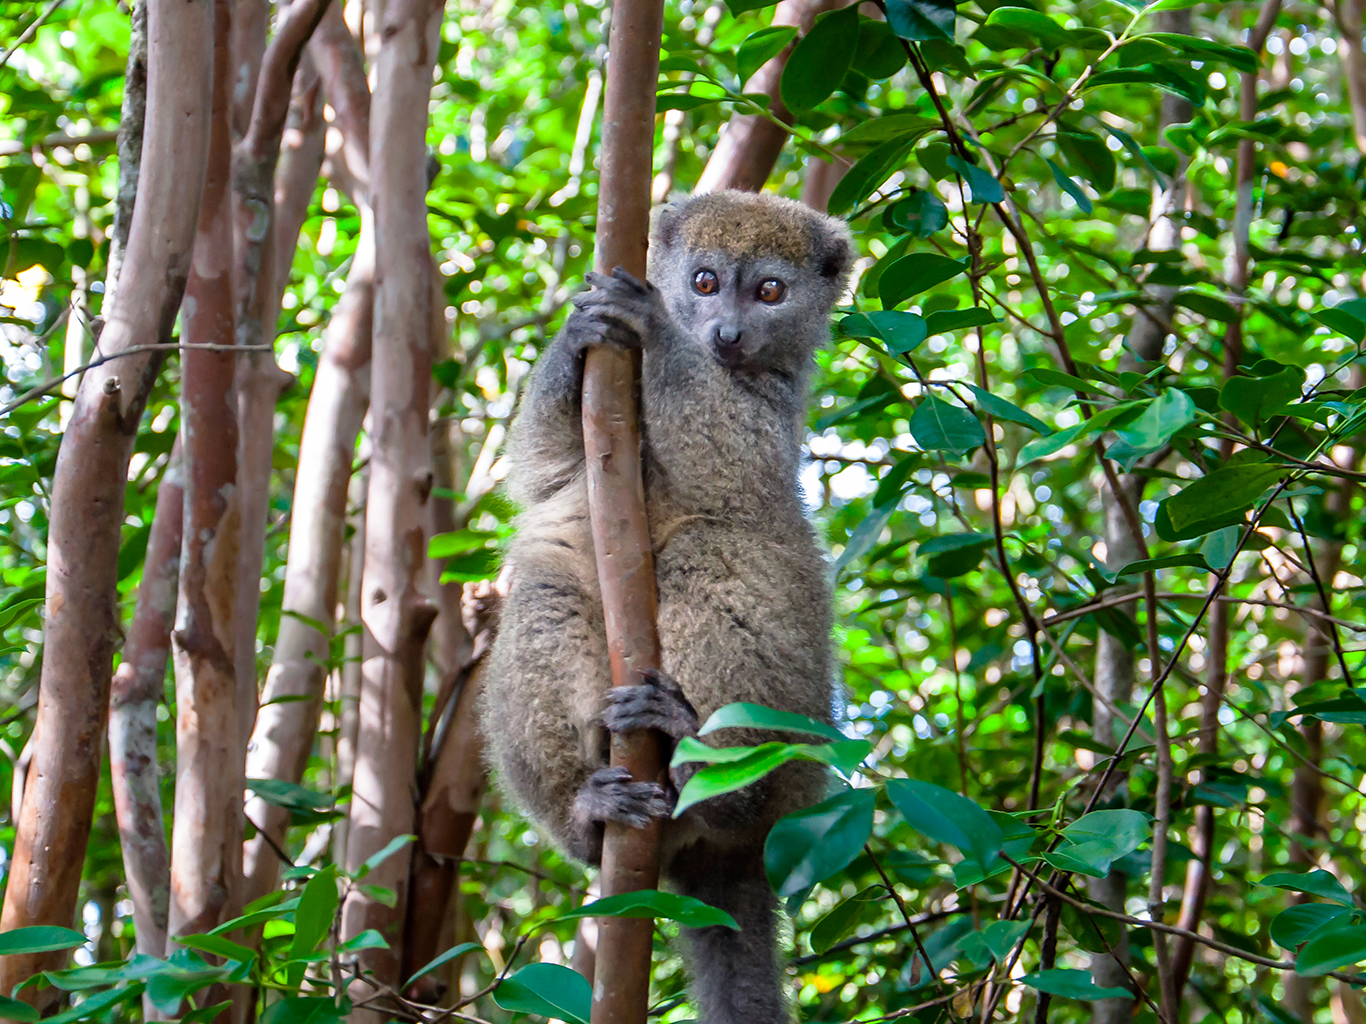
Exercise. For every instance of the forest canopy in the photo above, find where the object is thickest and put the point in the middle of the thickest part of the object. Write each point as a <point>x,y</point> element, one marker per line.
<point>1085,449</point>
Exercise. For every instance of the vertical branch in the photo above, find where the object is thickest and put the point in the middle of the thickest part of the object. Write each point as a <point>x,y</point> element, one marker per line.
<point>1349,15</point>
<point>1198,869</point>
<point>131,119</point>
<point>206,837</point>
<point>260,381</point>
<point>616,494</point>
<point>393,606</point>
<point>283,734</point>
<point>137,691</point>
<point>88,490</point>
<point>301,160</point>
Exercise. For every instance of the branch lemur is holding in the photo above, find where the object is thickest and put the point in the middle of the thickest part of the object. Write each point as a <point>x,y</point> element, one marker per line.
<point>738,298</point>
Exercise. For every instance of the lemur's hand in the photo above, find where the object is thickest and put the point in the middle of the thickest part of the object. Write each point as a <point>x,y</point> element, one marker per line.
<point>620,311</point>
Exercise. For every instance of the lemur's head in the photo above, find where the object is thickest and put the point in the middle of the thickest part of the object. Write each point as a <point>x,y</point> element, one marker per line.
<point>750,276</point>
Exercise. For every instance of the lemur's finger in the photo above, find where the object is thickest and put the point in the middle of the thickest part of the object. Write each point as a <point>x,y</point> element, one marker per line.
<point>597,280</point>
<point>622,274</point>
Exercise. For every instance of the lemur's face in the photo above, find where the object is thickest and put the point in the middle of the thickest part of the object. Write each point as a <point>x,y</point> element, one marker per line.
<point>750,313</point>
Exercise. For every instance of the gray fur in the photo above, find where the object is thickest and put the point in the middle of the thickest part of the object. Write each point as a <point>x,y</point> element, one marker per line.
<point>744,594</point>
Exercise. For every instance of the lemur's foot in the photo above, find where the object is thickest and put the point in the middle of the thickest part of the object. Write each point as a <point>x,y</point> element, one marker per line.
<point>657,703</point>
<point>625,299</point>
<point>611,795</point>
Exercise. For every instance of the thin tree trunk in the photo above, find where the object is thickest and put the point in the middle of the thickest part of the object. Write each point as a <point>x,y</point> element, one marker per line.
<point>821,178</point>
<point>206,836</point>
<point>748,150</point>
<point>341,65</point>
<point>616,495</point>
<point>88,491</point>
<point>260,381</point>
<point>348,696</point>
<point>394,608</point>
<point>1349,15</point>
<point>131,118</point>
<point>301,161</point>
<point>138,689</point>
<point>284,732</point>
<point>1198,870</point>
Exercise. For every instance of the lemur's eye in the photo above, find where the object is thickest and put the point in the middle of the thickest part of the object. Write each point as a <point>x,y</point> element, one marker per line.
<point>772,291</point>
<point>705,282</point>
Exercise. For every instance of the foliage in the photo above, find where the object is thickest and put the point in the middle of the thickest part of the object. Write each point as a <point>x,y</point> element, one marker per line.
<point>970,418</point>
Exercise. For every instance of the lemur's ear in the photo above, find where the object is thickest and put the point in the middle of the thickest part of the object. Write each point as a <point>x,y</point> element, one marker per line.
<point>834,250</point>
<point>665,220</point>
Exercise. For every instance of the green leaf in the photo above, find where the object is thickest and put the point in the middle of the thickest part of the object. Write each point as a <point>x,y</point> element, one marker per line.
<point>1170,412</point>
<point>1316,883</point>
<point>944,320</point>
<point>995,941</point>
<point>1094,841</point>
<point>443,958</point>
<point>390,848</point>
<point>955,553</point>
<point>1045,375</point>
<point>846,917</point>
<point>914,273</point>
<point>1195,48</point>
<point>1347,318</point>
<point>1000,409</point>
<point>919,20</point>
<point>821,59</point>
<point>13,1009</point>
<point>687,911</point>
<point>458,542</point>
<point>313,920</point>
<point>1255,399</point>
<point>865,535</point>
<point>938,426</point>
<point>1025,21</point>
<point>880,53</point>
<point>1226,491</point>
<point>733,768</point>
<point>289,795</point>
<point>1145,565</point>
<point>368,939</point>
<point>1070,187</point>
<point>39,938</point>
<point>1072,984</point>
<point>811,845</point>
<point>1219,547</point>
<point>255,917</point>
<point>921,213</point>
<point>303,1010</point>
<point>756,716</point>
<point>945,817</point>
<point>869,172</point>
<point>739,7</point>
<point>901,332</point>
<point>94,1006</point>
<point>549,990</point>
<point>1332,951</point>
<point>1087,155</point>
<point>218,946</point>
<point>904,127</point>
<point>985,187</point>
<point>1291,928</point>
<point>761,47</point>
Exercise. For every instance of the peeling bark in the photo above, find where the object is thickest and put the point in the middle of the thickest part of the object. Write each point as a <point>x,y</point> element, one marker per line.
<point>206,837</point>
<point>748,150</point>
<point>139,687</point>
<point>81,624</point>
<point>394,608</point>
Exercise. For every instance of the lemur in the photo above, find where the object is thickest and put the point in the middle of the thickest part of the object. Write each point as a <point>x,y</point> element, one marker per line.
<point>739,292</point>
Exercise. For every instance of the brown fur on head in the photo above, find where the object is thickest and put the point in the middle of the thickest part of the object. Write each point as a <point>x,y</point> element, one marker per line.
<point>750,224</point>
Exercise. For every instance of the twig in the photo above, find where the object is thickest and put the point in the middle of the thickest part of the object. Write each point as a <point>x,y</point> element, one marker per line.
<point>905,916</point>
<point>27,34</point>
<point>57,382</point>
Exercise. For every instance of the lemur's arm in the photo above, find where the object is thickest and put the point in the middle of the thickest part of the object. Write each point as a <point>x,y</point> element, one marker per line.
<point>547,436</point>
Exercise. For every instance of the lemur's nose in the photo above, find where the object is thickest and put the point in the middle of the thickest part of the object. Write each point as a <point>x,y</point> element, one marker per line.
<point>726,336</point>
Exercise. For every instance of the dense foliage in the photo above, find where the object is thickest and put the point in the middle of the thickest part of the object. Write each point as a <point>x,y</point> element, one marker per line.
<point>1031,186</point>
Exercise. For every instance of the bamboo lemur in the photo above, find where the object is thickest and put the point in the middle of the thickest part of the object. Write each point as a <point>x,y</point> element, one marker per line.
<point>740,291</point>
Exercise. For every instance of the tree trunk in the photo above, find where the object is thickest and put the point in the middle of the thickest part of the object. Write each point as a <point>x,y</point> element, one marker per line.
<point>139,686</point>
<point>616,495</point>
<point>301,161</point>
<point>260,381</point>
<point>394,608</point>
<point>206,836</point>
<point>748,150</point>
<point>131,118</point>
<point>348,695</point>
<point>81,625</point>
<point>283,734</point>
<point>821,178</point>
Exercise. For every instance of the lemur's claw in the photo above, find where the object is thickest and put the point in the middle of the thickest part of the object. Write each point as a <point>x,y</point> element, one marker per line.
<point>611,795</point>
<point>657,703</point>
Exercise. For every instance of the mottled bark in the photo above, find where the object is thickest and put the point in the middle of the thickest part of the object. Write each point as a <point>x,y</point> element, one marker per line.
<point>748,150</point>
<point>81,622</point>
<point>206,835</point>
<point>260,381</point>
<point>138,689</point>
<point>394,608</point>
<point>131,118</point>
<point>284,732</point>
